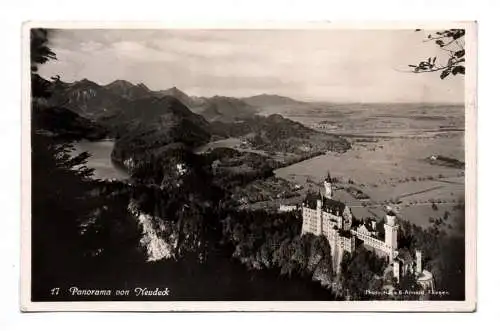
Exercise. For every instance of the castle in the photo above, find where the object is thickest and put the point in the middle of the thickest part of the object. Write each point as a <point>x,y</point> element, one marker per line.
<point>322,215</point>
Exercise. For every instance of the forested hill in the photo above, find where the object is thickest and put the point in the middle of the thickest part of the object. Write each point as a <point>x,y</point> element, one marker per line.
<point>176,93</point>
<point>152,110</point>
<point>147,124</point>
<point>275,133</point>
<point>266,100</point>
<point>64,124</point>
<point>224,109</point>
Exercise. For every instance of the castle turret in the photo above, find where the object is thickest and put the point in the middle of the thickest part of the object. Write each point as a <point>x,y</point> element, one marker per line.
<point>328,186</point>
<point>418,267</point>
<point>390,218</point>
<point>396,270</point>
<point>391,233</point>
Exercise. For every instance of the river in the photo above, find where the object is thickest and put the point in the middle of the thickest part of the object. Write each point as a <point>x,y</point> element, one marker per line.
<point>100,159</point>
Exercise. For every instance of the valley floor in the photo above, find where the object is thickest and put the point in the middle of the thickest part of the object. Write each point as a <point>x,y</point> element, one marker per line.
<point>389,172</point>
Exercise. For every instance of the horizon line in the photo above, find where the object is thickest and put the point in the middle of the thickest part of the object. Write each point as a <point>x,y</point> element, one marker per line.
<point>270,94</point>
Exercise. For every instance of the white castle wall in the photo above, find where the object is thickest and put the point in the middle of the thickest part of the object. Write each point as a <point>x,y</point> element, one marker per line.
<point>313,221</point>
<point>286,208</point>
<point>372,242</point>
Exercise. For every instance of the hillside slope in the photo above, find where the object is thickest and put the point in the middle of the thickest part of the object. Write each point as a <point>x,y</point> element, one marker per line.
<point>64,124</point>
<point>176,93</point>
<point>128,90</point>
<point>86,98</point>
<point>224,109</point>
<point>277,134</point>
<point>150,123</point>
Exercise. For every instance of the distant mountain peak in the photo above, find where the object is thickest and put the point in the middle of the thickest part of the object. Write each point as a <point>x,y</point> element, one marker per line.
<point>176,90</point>
<point>86,82</point>
<point>226,109</point>
<point>263,100</point>
<point>120,82</point>
<point>176,93</point>
<point>276,117</point>
<point>143,86</point>
<point>127,89</point>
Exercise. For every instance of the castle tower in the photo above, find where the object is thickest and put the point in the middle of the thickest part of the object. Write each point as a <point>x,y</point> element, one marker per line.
<point>328,186</point>
<point>319,216</point>
<point>391,233</point>
<point>418,268</point>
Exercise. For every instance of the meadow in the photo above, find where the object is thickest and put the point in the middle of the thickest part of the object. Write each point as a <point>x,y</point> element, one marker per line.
<point>389,161</point>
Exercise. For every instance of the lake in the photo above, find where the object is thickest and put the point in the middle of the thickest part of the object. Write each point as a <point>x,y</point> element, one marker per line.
<point>100,159</point>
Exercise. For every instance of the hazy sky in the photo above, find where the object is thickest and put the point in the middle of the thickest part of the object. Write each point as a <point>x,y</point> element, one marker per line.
<point>328,65</point>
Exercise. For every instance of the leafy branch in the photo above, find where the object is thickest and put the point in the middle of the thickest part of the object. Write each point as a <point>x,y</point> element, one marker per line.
<point>40,52</point>
<point>450,41</point>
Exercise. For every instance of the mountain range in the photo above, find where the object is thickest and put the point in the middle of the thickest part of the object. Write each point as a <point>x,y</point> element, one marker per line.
<point>95,101</point>
<point>90,99</point>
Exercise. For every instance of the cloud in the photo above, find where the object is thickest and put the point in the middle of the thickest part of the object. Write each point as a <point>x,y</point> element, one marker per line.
<point>138,51</point>
<point>90,46</point>
<point>336,65</point>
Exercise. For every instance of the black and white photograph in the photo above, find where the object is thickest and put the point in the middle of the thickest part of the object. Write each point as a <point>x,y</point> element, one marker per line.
<point>313,167</point>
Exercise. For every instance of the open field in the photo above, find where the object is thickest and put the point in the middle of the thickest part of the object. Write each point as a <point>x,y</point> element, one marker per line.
<point>391,172</point>
<point>389,160</point>
<point>389,120</point>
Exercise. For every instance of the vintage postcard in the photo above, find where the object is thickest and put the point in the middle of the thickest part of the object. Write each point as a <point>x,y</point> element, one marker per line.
<point>251,167</point>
